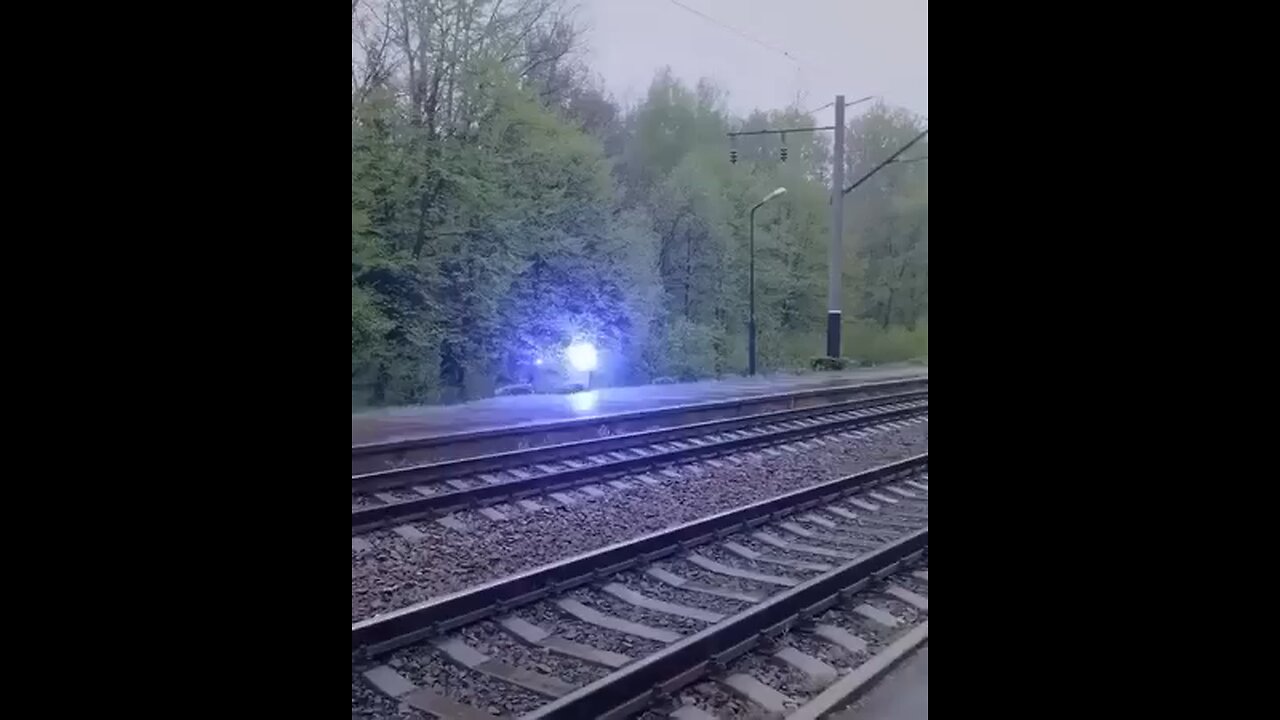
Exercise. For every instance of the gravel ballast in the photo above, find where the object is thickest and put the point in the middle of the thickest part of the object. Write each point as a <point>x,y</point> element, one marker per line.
<point>872,533</point>
<point>722,702</point>
<point>905,612</point>
<point>714,551</point>
<point>826,651</point>
<point>783,678</point>
<point>424,666</point>
<point>398,572</point>
<point>493,641</point>
<point>849,536</point>
<point>661,591</point>
<point>550,618</point>
<point>919,587</point>
<point>610,605</point>
<point>877,636</point>
<point>898,513</point>
<point>691,572</point>
<point>367,702</point>
<point>787,553</point>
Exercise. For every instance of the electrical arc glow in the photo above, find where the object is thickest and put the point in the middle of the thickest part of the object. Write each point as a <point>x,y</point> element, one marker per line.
<point>582,356</point>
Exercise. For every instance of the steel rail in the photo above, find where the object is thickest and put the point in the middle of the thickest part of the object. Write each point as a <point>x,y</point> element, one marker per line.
<point>365,519</point>
<point>381,633</point>
<point>636,685</point>
<point>435,472</point>
<point>365,452</point>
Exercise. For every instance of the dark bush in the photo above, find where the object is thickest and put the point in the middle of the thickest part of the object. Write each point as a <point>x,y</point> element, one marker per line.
<point>828,363</point>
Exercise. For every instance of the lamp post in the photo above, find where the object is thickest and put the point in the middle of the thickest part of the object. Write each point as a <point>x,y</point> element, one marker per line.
<point>751,325</point>
<point>835,254</point>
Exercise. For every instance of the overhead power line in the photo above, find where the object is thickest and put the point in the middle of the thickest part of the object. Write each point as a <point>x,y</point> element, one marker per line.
<point>886,161</point>
<point>735,30</point>
<point>851,102</point>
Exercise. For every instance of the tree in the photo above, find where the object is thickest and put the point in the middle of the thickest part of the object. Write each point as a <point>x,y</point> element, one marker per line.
<point>503,205</point>
<point>889,217</point>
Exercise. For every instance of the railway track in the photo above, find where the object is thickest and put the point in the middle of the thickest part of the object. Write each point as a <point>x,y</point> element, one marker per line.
<point>373,457</point>
<point>395,496</point>
<point>784,606</point>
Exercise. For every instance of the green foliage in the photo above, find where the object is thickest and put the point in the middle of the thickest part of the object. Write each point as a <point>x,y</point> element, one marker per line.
<point>688,350</point>
<point>889,219</point>
<point>825,363</point>
<point>828,363</point>
<point>867,341</point>
<point>502,205</point>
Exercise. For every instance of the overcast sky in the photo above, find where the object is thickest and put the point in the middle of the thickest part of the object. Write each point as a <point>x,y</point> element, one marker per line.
<point>854,47</point>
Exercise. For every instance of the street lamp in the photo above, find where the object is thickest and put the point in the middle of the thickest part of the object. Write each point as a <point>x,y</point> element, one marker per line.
<point>751,326</point>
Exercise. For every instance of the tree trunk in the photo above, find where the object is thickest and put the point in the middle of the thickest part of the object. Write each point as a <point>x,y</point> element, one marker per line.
<point>688,270</point>
<point>888,306</point>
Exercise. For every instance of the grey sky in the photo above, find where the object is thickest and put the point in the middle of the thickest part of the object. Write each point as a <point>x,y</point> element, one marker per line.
<point>855,47</point>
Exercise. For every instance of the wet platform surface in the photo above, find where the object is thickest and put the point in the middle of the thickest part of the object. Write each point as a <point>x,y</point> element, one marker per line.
<point>903,694</point>
<point>421,421</point>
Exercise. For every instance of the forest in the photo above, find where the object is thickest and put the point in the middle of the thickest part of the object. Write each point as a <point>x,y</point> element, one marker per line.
<point>503,204</point>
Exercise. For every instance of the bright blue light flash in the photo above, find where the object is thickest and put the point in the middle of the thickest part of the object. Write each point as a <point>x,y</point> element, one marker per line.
<point>582,356</point>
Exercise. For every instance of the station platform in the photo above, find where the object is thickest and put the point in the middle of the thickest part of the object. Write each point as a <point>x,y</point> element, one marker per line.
<point>404,423</point>
<point>903,694</point>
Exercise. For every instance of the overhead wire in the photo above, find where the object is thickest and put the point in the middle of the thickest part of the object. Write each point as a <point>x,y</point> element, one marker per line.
<point>738,32</point>
<point>887,160</point>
